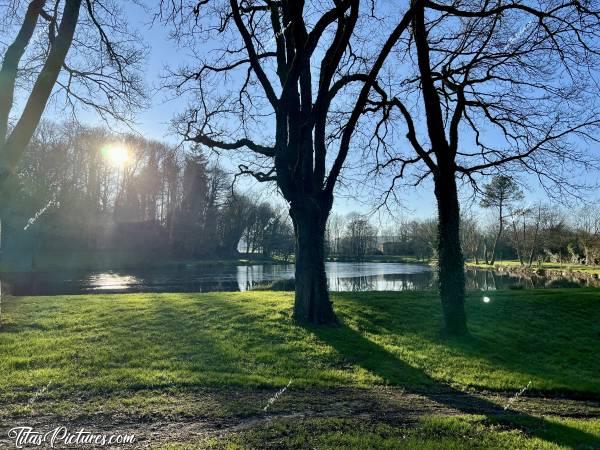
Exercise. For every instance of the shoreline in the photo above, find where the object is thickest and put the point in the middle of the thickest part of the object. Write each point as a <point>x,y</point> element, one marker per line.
<point>575,273</point>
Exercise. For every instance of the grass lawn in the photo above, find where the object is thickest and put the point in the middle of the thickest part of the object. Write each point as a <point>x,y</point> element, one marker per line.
<point>150,352</point>
<point>133,341</point>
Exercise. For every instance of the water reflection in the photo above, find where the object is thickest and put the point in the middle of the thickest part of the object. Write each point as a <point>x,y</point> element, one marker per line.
<point>249,277</point>
<point>112,282</point>
<point>386,282</point>
<point>490,280</point>
<point>200,278</point>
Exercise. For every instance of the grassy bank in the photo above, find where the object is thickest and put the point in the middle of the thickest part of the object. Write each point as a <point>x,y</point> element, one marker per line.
<point>514,264</point>
<point>218,357</point>
<point>380,258</point>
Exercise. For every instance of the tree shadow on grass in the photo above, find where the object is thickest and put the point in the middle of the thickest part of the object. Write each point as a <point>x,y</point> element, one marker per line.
<point>377,360</point>
<point>516,332</point>
<point>187,337</point>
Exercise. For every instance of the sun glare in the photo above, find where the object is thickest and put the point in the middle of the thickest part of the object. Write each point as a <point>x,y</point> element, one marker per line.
<point>116,155</point>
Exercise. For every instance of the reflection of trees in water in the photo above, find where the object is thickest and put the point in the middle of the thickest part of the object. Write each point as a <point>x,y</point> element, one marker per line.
<point>387,282</point>
<point>481,280</point>
<point>190,278</point>
<point>490,280</point>
<point>487,279</point>
<point>181,279</point>
<point>16,283</point>
<point>477,279</point>
<point>352,284</point>
<point>249,277</point>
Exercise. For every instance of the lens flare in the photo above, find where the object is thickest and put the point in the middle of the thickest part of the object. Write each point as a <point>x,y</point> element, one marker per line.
<point>116,155</point>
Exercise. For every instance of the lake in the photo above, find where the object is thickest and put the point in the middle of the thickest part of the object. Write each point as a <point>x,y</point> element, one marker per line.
<point>342,276</point>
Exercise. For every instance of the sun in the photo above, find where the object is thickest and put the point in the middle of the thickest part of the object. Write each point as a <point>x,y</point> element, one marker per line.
<point>116,155</point>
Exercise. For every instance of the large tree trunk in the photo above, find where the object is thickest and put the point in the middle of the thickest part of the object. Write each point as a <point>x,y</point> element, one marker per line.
<point>451,261</point>
<point>312,302</point>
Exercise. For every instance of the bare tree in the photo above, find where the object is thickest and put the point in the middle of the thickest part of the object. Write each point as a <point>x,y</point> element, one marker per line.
<point>499,194</point>
<point>519,231</point>
<point>587,225</point>
<point>360,236</point>
<point>301,82</point>
<point>471,236</point>
<point>77,50</point>
<point>426,237</point>
<point>525,231</point>
<point>499,86</point>
<point>335,229</point>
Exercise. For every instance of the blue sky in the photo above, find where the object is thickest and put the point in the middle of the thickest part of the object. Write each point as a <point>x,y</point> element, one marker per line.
<point>154,123</point>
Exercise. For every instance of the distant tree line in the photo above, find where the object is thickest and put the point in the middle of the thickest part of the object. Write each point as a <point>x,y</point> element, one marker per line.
<point>159,201</point>
<point>533,234</point>
<point>516,229</point>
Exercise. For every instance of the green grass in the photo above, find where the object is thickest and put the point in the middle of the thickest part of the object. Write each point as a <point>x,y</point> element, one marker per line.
<point>590,270</point>
<point>431,433</point>
<point>103,343</point>
<point>209,356</point>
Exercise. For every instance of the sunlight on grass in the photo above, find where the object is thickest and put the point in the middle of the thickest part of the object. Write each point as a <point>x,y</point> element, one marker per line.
<point>105,343</point>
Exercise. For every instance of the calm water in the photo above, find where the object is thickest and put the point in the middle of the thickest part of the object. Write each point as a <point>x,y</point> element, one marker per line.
<point>197,278</point>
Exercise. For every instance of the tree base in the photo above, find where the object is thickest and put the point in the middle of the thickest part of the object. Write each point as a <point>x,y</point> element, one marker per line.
<point>312,303</point>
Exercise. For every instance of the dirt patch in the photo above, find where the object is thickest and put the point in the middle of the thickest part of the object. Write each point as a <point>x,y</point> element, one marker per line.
<point>190,416</point>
